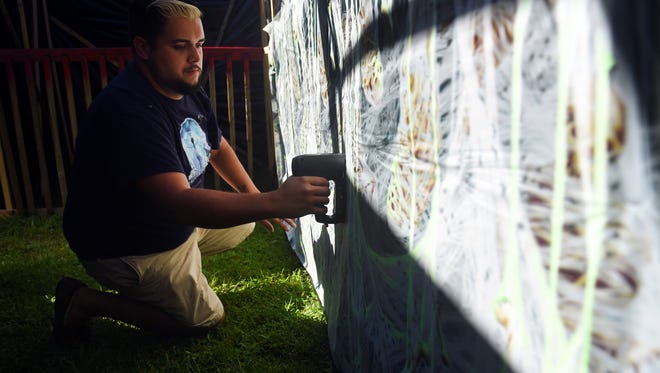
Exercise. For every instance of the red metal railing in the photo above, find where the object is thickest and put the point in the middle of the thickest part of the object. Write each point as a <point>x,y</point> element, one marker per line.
<point>39,115</point>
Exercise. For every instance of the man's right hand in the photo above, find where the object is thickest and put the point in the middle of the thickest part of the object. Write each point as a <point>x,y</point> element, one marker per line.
<point>303,195</point>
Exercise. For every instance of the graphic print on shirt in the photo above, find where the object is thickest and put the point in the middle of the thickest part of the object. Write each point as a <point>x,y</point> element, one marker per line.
<point>196,147</point>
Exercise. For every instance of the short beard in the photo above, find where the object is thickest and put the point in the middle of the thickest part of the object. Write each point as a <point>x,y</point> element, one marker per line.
<point>181,87</point>
<point>177,85</point>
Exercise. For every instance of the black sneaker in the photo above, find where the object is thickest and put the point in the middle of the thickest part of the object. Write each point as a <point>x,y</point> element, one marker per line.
<point>64,291</point>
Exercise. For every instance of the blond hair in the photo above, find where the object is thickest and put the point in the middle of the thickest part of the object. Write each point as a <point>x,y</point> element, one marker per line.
<point>147,17</point>
<point>175,9</point>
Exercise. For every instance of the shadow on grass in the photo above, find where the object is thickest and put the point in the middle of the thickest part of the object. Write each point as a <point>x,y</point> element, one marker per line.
<point>269,325</point>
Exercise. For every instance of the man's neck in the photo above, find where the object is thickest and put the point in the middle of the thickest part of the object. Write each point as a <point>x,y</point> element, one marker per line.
<point>146,72</point>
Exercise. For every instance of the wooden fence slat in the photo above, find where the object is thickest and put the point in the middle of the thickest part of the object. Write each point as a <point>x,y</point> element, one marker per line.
<point>213,95</point>
<point>49,42</point>
<point>71,102</point>
<point>230,104</point>
<point>20,142</point>
<point>46,15</point>
<point>8,178</point>
<point>210,65</point>
<point>10,25</point>
<point>104,72</point>
<point>35,25</point>
<point>55,136</point>
<point>248,116</point>
<point>268,109</point>
<point>23,23</point>
<point>70,32</point>
<point>87,89</point>
<point>60,106</point>
<point>4,181</point>
<point>35,108</point>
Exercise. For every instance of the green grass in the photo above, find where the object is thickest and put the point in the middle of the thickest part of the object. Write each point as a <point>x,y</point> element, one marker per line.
<point>274,323</point>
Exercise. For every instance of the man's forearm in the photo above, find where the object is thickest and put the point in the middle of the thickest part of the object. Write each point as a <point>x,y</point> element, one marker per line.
<point>207,208</point>
<point>228,166</point>
<point>217,209</point>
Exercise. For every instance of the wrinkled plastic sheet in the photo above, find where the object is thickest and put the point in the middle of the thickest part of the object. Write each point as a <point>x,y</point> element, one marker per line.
<point>503,176</point>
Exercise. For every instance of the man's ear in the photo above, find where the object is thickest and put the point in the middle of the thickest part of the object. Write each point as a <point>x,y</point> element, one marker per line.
<point>141,47</point>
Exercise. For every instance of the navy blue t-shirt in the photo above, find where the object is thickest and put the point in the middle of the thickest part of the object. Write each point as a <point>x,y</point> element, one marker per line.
<point>130,132</point>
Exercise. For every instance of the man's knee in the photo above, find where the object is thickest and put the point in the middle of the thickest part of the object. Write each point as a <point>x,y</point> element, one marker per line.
<point>244,233</point>
<point>233,236</point>
<point>203,311</point>
<point>214,241</point>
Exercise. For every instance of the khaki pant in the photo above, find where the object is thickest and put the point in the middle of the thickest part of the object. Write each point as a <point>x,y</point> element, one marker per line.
<point>172,281</point>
